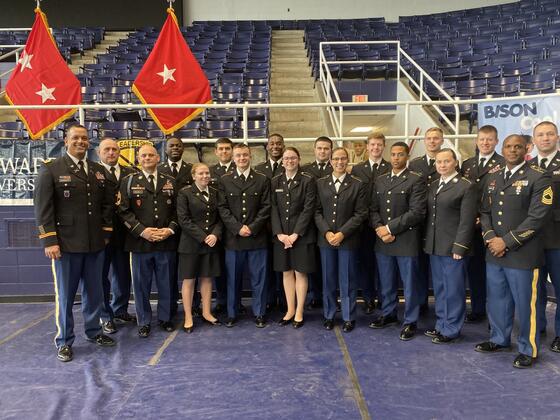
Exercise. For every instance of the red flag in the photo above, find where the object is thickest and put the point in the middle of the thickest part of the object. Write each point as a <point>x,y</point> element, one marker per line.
<point>171,75</point>
<point>41,77</point>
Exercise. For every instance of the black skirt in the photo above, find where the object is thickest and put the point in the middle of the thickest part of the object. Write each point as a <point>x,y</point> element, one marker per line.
<point>300,258</point>
<point>199,265</point>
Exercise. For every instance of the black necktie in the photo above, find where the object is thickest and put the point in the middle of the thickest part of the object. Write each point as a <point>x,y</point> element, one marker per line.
<point>543,163</point>
<point>151,179</point>
<point>289,182</point>
<point>224,168</point>
<point>432,161</point>
<point>114,172</point>
<point>374,167</point>
<point>322,167</point>
<point>393,177</point>
<point>441,184</point>
<point>481,163</point>
<point>274,167</point>
<point>243,179</point>
<point>174,170</point>
<point>205,195</point>
<point>508,175</point>
<point>82,168</point>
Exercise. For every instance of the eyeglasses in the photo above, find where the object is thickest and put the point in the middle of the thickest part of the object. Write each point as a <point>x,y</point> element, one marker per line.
<point>290,158</point>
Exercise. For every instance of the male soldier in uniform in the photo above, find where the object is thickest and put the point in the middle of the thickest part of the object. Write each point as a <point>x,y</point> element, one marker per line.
<point>116,267</point>
<point>180,171</point>
<point>244,205</point>
<point>425,166</point>
<point>74,208</point>
<point>321,167</point>
<point>515,205</point>
<point>272,167</point>
<point>545,138</point>
<point>476,170</point>
<point>368,172</point>
<point>147,207</point>
<point>398,208</point>
<point>275,148</point>
<point>223,149</point>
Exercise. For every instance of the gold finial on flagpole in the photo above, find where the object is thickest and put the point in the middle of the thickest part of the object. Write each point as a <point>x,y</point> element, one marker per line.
<point>38,4</point>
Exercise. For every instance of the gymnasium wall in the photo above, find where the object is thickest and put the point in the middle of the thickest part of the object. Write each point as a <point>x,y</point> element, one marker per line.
<point>320,9</point>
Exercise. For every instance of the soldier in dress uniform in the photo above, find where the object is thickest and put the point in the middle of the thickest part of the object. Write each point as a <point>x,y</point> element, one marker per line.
<point>515,205</point>
<point>425,166</point>
<point>322,149</point>
<point>116,267</point>
<point>146,204</point>
<point>341,211</point>
<point>545,138</point>
<point>398,208</point>
<point>451,215</point>
<point>368,172</point>
<point>244,205</point>
<point>223,149</point>
<point>272,167</point>
<point>199,246</point>
<point>74,209</point>
<point>476,169</point>
<point>180,171</point>
<point>294,196</point>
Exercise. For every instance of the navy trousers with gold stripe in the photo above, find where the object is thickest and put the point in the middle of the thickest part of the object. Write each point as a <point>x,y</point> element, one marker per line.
<point>509,290</point>
<point>68,271</point>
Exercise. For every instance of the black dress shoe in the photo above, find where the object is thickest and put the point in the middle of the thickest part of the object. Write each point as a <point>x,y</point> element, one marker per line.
<point>328,324</point>
<point>489,347</point>
<point>384,321</point>
<point>442,339</point>
<point>431,333</point>
<point>297,324</point>
<point>348,326</point>
<point>284,322</point>
<point>555,346</point>
<point>260,322</point>
<point>370,307</point>
<point>64,354</point>
<point>408,331</point>
<point>474,318</point>
<point>102,340</point>
<point>522,361</point>
<point>109,327</point>
<point>188,330</point>
<point>124,318</point>
<point>219,308</point>
<point>212,323</point>
<point>230,322</point>
<point>144,331</point>
<point>166,326</point>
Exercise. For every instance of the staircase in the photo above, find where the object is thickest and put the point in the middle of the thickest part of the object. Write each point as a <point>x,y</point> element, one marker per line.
<point>291,82</point>
<point>110,39</point>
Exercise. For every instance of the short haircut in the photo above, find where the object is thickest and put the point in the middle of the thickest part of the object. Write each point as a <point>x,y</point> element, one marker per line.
<point>223,140</point>
<point>241,146</point>
<point>401,144</point>
<point>76,125</point>
<point>377,135</point>
<point>546,123</point>
<point>197,165</point>
<point>292,149</point>
<point>527,138</point>
<point>448,149</point>
<point>322,138</point>
<point>276,135</point>
<point>488,129</point>
<point>437,129</point>
<point>336,149</point>
<point>521,136</point>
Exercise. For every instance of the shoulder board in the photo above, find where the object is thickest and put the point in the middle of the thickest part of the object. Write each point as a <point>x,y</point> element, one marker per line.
<point>325,177</point>
<point>277,176</point>
<point>415,173</point>
<point>537,168</point>
<point>228,173</point>
<point>258,172</point>
<point>356,178</point>
<point>168,176</point>
<point>211,188</point>
<point>47,161</point>
<point>305,174</point>
<point>434,182</point>
<point>466,180</point>
<point>417,158</point>
<point>130,174</point>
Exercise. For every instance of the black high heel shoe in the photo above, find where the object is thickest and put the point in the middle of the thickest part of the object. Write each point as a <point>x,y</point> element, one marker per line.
<point>214,323</point>
<point>283,322</point>
<point>188,330</point>
<point>297,324</point>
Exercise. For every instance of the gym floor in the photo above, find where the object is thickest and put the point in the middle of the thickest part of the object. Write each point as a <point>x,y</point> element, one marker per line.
<point>272,373</point>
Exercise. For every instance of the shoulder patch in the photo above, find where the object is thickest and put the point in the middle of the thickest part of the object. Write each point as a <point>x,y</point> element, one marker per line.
<point>547,196</point>
<point>48,160</point>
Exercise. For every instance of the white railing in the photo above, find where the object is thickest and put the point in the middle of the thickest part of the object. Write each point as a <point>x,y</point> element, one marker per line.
<point>328,84</point>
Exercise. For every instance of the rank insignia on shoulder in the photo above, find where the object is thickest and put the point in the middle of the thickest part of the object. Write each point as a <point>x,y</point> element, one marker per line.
<point>547,196</point>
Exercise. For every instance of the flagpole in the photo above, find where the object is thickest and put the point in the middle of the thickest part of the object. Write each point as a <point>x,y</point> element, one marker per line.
<point>170,3</point>
<point>38,4</point>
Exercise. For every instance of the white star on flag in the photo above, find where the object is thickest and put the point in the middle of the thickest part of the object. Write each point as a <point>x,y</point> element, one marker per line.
<point>167,74</point>
<point>45,93</point>
<point>25,61</point>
